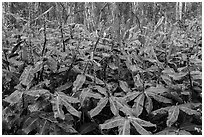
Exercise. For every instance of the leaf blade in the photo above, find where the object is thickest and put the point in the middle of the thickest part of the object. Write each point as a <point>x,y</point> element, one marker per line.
<point>100,105</point>
<point>173,115</point>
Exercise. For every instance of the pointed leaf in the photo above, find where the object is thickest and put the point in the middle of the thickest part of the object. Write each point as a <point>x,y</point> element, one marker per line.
<point>15,48</point>
<point>64,87</point>
<point>138,106</point>
<point>183,132</point>
<point>57,107</point>
<point>189,111</point>
<point>94,95</point>
<point>71,109</point>
<point>178,76</point>
<point>173,115</point>
<point>100,105</point>
<point>156,90</point>
<point>52,64</point>
<point>167,131</point>
<point>173,131</point>
<point>101,90</point>
<point>87,127</point>
<point>131,95</point>
<point>97,80</point>
<point>43,127</point>
<point>148,104</point>
<point>14,98</point>
<point>30,124</point>
<point>27,76</point>
<point>66,98</point>
<point>142,122</point>
<point>67,128</point>
<point>139,128</point>
<point>78,83</point>
<point>84,94</point>
<point>37,93</point>
<point>115,122</point>
<point>124,86</point>
<point>125,128</point>
<point>160,98</point>
<point>122,106</point>
<point>161,111</point>
<point>38,66</point>
<point>48,116</point>
<point>113,106</point>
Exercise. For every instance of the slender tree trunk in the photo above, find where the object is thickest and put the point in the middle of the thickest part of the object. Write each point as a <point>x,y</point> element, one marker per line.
<point>180,10</point>
<point>177,10</point>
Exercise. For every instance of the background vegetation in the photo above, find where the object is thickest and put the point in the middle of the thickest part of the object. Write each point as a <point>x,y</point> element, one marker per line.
<point>101,68</point>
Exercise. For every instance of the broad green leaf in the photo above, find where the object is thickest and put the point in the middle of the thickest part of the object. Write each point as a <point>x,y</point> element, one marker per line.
<point>124,86</point>
<point>157,90</point>
<point>139,128</point>
<point>67,98</point>
<point>67,128</point>
<point>183,132</point>
<point>114,122</point>
<point>191,105</point>
<point>63,99</point>
<point>27,76</point>
<point>101,90</point>
<point>100,105</point>
<point>71,109</point>
<point>37,93</point>
<point>87,127</point>
<point>173,131</point>
<point>142,122</point>
<point>57,107</point>
<point>189,111</point>
<point>14,98</point>
<point>178,76</point>
<point>131,95</point>
<point>78,83</point>
<point>97,80</point>
<point>48,116</point>
<point>173,115</point>
<point>14,62</point>
<point>160,98</point>
<point>122,106</point>
<point>125,128</point>
<point>190,126</point>
<point>166,79</point>
<point>45,125</point>
<point>161,111</point>
<point>52,64</point>
<point>113,106</point>
<point>38,66</point>
<point>64,87</point>
<point>196,75</point>
<point>148,104</point>
<point>94,95</point>
<point>30,124</point>
<point>138,105</point>
<point>86,93</point>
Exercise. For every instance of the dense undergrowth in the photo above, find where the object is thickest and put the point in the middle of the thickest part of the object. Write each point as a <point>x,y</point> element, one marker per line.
<point>62,79</point>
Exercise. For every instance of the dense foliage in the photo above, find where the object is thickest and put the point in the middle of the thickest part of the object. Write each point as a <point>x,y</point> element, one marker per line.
<point>62,78</point>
